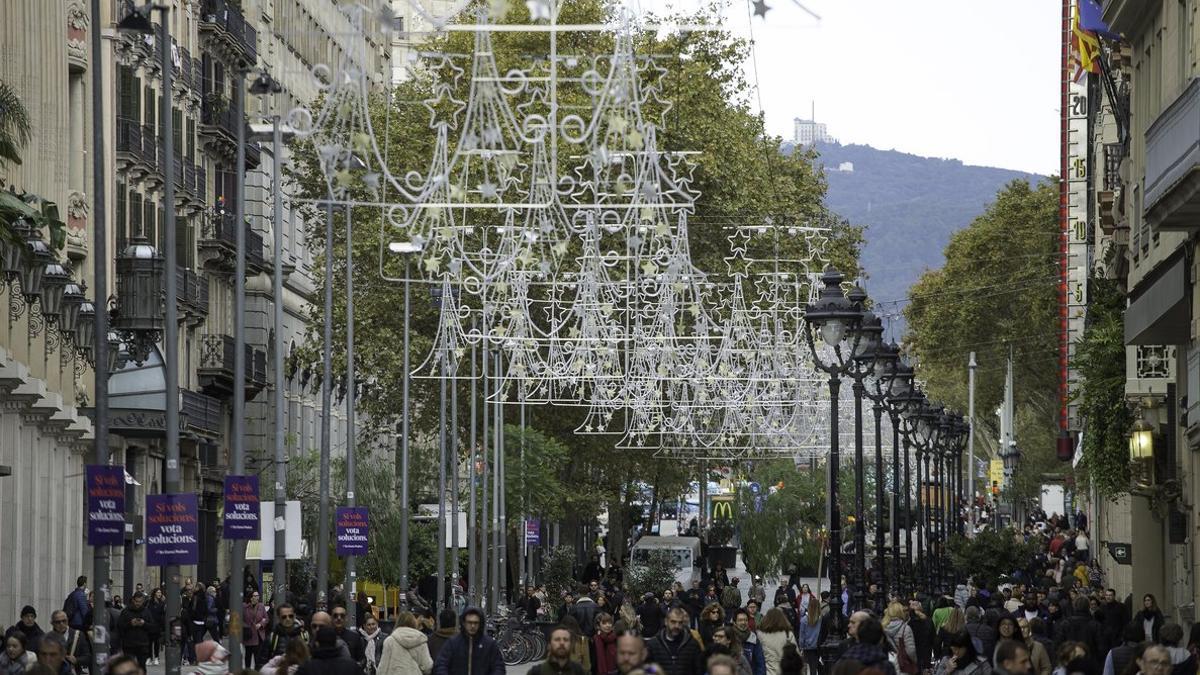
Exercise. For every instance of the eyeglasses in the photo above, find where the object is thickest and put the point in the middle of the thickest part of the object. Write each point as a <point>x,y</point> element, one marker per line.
<point>287,616</point>
<point>58,620</point>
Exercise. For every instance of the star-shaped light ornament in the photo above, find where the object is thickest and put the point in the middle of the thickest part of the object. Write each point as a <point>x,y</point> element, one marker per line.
<point>538,9</point>
<point>760,8</point>
<point>433,265</point>
<point>487,190</point>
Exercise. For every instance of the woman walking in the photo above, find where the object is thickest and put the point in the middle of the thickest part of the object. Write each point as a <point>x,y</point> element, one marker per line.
<point>254,629</point>
<point>775,634</point>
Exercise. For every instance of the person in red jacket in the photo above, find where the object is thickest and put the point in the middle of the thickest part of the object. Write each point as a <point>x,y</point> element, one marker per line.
<point>606,645</point>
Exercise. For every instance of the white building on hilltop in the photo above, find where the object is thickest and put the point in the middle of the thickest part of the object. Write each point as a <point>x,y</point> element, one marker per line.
<point>808,132</point>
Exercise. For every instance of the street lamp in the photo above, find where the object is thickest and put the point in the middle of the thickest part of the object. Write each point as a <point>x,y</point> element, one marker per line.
<point>905,400</point>
<point>165,293</point>
<point>139,313</point>
<point>885,357</point>
<point>833,317</point>
<point>869,334</point>
<point>407,249</point>
<point>277,134</point>
<point>72,301</point>
<point>1141,452</point>
<point>85,331</point>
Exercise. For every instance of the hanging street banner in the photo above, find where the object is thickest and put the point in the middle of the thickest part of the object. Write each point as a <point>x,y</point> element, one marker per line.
<point>533,531</point>
<point>241,508</point>
<point>172,530</point>
<point>106,505</point>
<point>351,530</point>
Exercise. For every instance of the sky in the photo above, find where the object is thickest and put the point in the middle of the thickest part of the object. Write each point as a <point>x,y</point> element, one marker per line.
<point>974,80</point>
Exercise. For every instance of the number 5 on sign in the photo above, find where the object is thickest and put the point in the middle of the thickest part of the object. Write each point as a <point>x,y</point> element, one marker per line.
<point>1080,167</point>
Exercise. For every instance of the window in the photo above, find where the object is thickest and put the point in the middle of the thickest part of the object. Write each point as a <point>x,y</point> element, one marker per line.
<point>135,214</point>
<point>129,101</point>
<point>122,215</point>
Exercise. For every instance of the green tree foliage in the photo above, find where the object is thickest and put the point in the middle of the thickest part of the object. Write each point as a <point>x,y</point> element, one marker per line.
<point>1100,359</point>
<point>654,574</point>
<point>990,555</point>
<point>16,127</point>
<point>558,574</point>
<point>997,289</point>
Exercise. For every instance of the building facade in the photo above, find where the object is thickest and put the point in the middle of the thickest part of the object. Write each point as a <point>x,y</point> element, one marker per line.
<point>1144,215</point>
<point>808,132</point>
<point>45,380</point>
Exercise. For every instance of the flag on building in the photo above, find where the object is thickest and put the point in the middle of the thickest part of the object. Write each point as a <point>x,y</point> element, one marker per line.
<point>1091,19</point>
<point>1085,49</point>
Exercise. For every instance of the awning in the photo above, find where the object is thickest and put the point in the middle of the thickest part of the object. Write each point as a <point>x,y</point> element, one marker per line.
<point>1159,311</point>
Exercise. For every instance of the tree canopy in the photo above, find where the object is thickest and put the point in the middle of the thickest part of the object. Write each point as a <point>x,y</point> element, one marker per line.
<point>996,292</point>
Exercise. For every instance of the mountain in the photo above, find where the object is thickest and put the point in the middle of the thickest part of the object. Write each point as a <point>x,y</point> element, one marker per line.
<point>910,205</point>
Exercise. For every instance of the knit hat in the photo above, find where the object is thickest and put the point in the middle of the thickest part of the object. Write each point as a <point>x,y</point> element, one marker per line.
<point>210,651</point>
<point>28,609</point>
<point>326,636</point>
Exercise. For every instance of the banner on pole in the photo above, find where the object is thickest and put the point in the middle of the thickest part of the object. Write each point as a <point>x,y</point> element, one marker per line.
<point>533,532</point>
<point>242,513</point>
<point>351,530</point>
<point>106,505</point>
<point>172,530</point>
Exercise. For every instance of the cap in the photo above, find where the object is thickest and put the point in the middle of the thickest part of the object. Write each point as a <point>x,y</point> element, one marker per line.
<point>28,609</point>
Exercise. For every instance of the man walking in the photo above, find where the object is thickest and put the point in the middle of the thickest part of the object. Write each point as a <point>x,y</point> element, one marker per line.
<point>76,605</point>
<point>77,647</point>
<point>136,624</point>
<point>471,652</point>
<point>558,657</point>
<point>631,653</point>
<point>1012,658</point>
<point>675,649</point>
<point>286,629</point>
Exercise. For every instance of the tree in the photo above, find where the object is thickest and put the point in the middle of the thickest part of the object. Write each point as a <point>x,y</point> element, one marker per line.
<point>990,555</point>
<point>996,290</point>
<point>558,574</point>
<point>1100,360</point>
<point>654,574</point>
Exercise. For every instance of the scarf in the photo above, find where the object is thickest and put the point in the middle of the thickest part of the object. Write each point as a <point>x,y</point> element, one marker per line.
<point>741,635</point>
<point>370,640</point>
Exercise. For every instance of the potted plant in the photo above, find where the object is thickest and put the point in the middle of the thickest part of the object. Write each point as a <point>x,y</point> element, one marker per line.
<point>720,548</point>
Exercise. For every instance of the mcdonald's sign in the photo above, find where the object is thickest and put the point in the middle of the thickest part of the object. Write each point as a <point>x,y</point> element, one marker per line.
<point>722,508</point>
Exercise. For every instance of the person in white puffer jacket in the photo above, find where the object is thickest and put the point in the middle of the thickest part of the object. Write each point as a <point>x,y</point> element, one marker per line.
<point>406,650</point>
<point>775,633</point>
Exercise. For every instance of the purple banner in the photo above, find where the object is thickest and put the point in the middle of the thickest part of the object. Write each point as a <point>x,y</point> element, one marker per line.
<point>533,531</point>
<point>351,522</point>
<point>172,530</point>
<point>106,505</point>
<point>241,508</point>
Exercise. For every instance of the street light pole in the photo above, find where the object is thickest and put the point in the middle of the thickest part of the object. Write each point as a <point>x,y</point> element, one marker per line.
<point>834,317</point>
<point>171,482</point>
<point>404,411</point>
<point>326,415</point>
<point>971,366</point>
<point>351,583</point>
<point>100,554</point>
<point>238,552</point>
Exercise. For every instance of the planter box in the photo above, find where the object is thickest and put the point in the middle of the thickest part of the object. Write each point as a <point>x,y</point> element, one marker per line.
<point>726,555</point>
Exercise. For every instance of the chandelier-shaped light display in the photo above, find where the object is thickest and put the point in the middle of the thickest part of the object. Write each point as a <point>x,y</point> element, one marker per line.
<point>557,237</point>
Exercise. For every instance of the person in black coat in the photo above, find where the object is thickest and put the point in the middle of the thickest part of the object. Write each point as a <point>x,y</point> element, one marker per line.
<point>1079,627</point>
<point>327,658</point>
<point>674,648</point>
<point>472,651</point>
<point>1150,617</point>
<point>651,615</point>
<point>354,642</point>
<point>136,625</point>
<point>27,627</point>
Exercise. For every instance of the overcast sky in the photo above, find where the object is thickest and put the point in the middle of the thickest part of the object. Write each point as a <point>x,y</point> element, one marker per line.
<point>975,80</point>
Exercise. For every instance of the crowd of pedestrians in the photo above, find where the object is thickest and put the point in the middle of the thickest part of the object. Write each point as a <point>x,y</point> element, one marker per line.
<point>1052,617</point>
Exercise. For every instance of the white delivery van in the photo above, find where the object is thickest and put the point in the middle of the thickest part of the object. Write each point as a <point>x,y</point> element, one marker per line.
<point>685,551</point>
